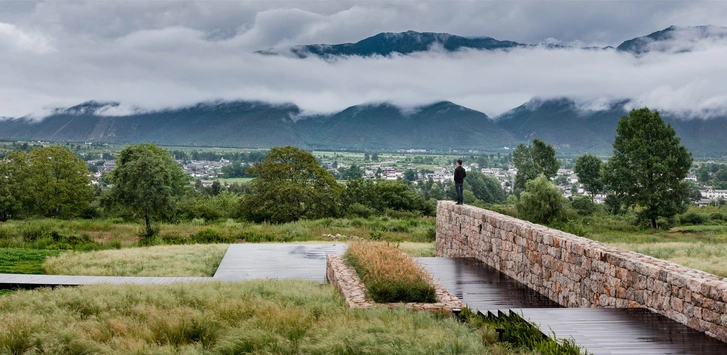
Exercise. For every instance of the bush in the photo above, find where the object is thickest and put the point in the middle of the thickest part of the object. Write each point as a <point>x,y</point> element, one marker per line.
<point>209,235</point>
<point>541,202</point>
<point>388,274</point>
<point>692,218</point>
<point>584,205</point>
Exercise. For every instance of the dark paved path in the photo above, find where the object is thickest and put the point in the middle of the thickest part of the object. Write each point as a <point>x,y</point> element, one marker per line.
<point>601,331</point>
<point>241,262</point>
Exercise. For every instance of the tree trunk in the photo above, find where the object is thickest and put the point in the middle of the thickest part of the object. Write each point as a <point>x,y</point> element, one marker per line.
<point>653,223</point>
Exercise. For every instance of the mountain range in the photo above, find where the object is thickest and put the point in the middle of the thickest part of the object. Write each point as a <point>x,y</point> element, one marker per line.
<point>571,128</point>
<point>672,39</point>
<point>439,126</point>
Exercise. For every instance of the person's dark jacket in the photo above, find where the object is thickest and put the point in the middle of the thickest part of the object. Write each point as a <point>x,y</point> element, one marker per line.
<point>459,174</point>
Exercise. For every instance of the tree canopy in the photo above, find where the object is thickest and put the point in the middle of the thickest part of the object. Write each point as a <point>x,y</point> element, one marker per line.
<point>541,202</point>
<point>290,185</point>
<point>588,169</point>
<point>648,166</point>
<point>49,181</point>
<point>147,180</point>
<point>532,161</point>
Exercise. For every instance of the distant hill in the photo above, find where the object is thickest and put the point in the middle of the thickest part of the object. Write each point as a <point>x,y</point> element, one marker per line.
<point>387,43</point>
<point>443,125</point>
<point>563,124</point>
<point>573,129</point>
<point>570,128</point>
<point>674,39</point>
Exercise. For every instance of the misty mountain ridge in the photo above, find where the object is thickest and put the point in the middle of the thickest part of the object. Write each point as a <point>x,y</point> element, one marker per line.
<point>673,39</point>
<point>572,127</point>
<point>388,43</point>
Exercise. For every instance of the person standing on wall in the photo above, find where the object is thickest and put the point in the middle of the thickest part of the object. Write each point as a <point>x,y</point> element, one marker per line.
<point>459,175</point>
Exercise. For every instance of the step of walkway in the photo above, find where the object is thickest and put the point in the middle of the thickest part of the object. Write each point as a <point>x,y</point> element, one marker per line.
<point>241,262</point>
<point>600,331</point>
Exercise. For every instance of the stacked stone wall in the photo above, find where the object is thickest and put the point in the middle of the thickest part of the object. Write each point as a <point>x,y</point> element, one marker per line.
<point>579,272</point>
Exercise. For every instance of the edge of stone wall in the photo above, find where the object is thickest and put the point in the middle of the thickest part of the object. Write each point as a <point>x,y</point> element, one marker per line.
<point>579,272</point>
<point>347,282</point>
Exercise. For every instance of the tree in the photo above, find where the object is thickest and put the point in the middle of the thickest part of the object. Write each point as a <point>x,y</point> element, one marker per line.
<point>290,185</point>
<point>541,202</point>
<point>648,166</point>
<point>50,181</point>
<point>485,188</point>
<point>9,204</point>
<point>410,175</point>
<point>147,181</point>
<point>588,169</point>
<point>532,161</point>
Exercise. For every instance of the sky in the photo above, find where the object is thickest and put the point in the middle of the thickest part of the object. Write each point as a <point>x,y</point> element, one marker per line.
<point>151,55</point>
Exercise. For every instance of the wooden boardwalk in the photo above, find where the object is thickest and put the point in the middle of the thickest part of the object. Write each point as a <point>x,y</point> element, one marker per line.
<point>241,262</point>
<point>601,331</point>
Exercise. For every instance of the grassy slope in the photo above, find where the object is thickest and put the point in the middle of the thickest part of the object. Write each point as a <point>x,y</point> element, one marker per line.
<point>263,317</point>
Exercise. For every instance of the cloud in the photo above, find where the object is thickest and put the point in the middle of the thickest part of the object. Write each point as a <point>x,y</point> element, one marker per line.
<point>163,54</point>
<point>14,39</point>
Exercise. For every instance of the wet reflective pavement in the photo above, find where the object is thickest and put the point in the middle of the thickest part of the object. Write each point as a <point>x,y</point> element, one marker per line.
<point>482,287</point>
<point>276,261</point>
<point>600,331</point>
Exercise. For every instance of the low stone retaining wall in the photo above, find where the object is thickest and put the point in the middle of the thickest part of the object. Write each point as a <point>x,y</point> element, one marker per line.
<point>353,290</point>
<point>579,272</point>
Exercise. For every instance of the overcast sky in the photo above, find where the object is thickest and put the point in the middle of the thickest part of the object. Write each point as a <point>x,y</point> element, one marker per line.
<point>160,54</point>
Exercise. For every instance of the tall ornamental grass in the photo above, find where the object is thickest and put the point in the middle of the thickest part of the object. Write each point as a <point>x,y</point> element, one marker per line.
<point>250,317</point>
<point>388,274</point>
<point>171,260</point>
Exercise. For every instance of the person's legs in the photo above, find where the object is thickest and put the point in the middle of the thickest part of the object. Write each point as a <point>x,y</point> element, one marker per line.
<point>458,188</point>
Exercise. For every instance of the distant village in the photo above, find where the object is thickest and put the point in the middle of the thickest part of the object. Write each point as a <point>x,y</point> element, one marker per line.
<point>566,180</point>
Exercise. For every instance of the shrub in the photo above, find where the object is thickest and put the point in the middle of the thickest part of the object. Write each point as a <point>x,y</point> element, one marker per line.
<point>692,218</point>
<point>209,235</point>
<point>388,274</point>
<point>584,205</point>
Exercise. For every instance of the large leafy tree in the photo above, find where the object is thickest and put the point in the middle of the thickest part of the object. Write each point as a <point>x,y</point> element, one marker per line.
<point>648,166</point>
<point>9,203</point>
<point>49,181</point>
<point>485,188</point>
<point>290,185</point>
<point>588,169</point>
<point>541,202</point>
<point>147,181</point>
<point>532,161</point>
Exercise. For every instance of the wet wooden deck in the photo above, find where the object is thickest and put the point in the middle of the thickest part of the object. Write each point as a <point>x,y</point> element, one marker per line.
<point>600,331</point>
<point>482,287</point>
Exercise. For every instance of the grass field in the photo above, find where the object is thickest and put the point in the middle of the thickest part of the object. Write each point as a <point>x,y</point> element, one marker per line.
<point>178,260</point>
<point>115,233</point>
<point>701,247</point>
<point>258,317</point>
<point>24,261</point>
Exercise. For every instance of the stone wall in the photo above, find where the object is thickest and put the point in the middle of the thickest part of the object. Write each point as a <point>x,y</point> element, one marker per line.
<point>347,282</point>
<point>579,272</point>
